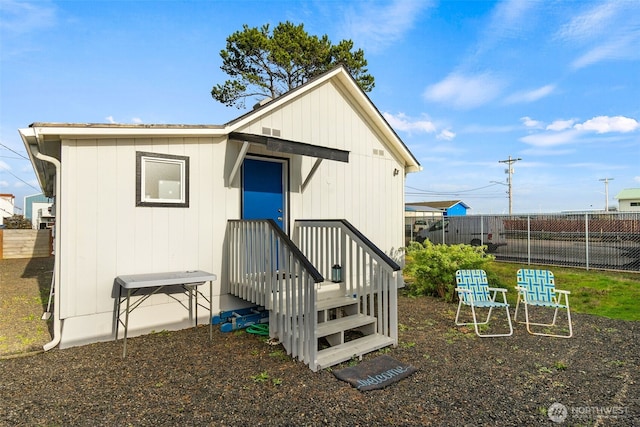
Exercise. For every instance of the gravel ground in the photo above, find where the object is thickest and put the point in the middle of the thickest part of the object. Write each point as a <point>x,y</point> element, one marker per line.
<point>182,378</point>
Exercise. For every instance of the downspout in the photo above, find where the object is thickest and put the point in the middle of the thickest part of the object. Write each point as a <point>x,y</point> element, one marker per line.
<point>57,323</point>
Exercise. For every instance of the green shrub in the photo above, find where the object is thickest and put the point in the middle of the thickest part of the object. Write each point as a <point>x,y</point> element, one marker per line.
<point>431,269</point>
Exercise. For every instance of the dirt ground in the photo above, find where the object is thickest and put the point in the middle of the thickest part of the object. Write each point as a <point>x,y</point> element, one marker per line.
<point>24,293</point>
<point>183,378</point>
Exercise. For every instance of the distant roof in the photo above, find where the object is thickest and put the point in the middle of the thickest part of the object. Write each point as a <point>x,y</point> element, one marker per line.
<point>629,193</point>
<point>421,209</point>
<point>444,204</point>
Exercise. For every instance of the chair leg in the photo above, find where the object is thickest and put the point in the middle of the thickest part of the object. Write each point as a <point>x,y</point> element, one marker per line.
<point>515,314</point>
<point>458,314</point>
<point>553,324</point>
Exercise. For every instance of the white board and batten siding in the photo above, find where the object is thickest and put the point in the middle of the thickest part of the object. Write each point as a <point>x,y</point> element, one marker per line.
<point>364,191</point>
<point>106,235</point>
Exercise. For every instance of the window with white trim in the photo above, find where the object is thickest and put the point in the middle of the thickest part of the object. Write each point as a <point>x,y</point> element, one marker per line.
<point>162,180</point>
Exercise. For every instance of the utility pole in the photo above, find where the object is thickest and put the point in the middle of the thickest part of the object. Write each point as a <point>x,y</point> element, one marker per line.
<point>606,193</point>
<point>509,170</point>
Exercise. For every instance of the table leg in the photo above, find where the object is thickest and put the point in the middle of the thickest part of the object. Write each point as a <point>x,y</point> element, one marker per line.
<point>210,309</point>
<point>126,325</point>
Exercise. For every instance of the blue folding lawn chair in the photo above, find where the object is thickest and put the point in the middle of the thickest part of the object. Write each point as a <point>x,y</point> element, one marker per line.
<point>474,291</point>
<point>537,288</point>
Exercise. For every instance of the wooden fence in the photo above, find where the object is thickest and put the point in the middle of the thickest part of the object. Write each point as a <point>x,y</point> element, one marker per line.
<point>25,243</point>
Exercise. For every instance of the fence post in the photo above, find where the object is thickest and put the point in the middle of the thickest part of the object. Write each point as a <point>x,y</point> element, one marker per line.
<point>528,239</point>
<point>586,238</point>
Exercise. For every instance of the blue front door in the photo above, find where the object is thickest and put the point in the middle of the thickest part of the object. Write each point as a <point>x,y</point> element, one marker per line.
<point>263,195</point>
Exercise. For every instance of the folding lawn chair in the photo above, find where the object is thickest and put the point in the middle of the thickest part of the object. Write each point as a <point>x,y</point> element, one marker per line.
<point>473,290</point>
<point>537,288</point>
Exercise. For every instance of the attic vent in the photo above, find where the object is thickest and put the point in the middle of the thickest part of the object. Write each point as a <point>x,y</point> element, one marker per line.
<point>269,131</point>
<point>377,152</point>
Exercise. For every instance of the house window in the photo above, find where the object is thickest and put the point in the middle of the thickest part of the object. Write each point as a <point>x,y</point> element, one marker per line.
<point>162,180</point>
<point>635,203</point>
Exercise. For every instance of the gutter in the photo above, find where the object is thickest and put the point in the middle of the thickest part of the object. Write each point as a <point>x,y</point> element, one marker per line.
<point>57,322</point>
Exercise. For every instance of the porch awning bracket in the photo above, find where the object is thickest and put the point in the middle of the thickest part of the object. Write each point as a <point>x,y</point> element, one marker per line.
<point>312,172</point>
<point>238,163</point>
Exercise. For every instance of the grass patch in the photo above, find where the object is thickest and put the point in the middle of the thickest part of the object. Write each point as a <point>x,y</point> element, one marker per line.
<point>603,293</point>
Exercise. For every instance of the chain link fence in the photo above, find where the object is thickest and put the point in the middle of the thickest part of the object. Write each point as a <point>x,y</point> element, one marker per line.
<point>607,241</point>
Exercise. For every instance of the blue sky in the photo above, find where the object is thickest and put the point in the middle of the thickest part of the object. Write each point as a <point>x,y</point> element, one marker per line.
<point>464,84</point>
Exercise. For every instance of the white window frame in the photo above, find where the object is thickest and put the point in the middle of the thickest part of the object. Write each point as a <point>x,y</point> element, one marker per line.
<point>142,199</point>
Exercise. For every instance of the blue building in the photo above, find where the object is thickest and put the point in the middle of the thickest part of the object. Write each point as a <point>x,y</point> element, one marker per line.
<point>447,207</point>
<point>37,210</point>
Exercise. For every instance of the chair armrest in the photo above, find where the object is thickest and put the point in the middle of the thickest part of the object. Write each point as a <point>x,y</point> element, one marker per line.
<point>467,291</point>
<point>498,289</point>
<point>561,291</point>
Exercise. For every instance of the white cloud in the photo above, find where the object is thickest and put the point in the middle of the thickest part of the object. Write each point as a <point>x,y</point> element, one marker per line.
<point>551,139</point>
<point>618,48</point>
<point>136,120</point>
<point>606,124</point>
<point>4,165</point>
<point>464,92</point>
<point>4,184</point>
<point>559,125</point>
<point>446,134</point>
<point>590,23</point>
<point>608,31</point>
<point>531,95</point>
<point>20,17</point>
<point>636,178</point>
<point>403,123</point>
<point>110,119</point>
<point>377,26</point>
<point>530,123</point>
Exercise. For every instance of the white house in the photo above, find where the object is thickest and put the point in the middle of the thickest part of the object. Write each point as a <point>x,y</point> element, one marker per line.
<point>629,200</point>
<point>135,199</point>
<point>7,206</point>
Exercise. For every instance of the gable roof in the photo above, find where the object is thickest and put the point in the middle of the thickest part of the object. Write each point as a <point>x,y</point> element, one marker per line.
<point>38,136</point>
<point>628,193</point>
<point>348,83</point>
<point>442,205</point>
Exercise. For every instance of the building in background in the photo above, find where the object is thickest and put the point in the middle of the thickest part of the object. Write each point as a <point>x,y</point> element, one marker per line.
<point>629,200</point>
<point>7,206</point>
<point>38,208</point>
<point>447,207</point>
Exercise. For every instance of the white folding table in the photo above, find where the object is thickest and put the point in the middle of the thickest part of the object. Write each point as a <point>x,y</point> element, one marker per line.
<point>151,283</point>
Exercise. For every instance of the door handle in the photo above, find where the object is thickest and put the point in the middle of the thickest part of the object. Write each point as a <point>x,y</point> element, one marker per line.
<point>279,218</point>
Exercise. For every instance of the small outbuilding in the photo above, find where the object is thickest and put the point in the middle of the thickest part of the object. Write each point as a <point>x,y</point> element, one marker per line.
<point>305,188</point>
<point>629,200</point>
<point>447,207</point>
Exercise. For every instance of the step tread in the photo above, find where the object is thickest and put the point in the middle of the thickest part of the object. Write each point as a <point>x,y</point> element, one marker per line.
<point>341,301</point>
<point>340,353</point>
<point>343,324</point>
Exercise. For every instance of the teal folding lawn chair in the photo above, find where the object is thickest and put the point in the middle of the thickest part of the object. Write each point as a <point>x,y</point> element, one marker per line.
<point>474,291</point>
<point>537,288</point>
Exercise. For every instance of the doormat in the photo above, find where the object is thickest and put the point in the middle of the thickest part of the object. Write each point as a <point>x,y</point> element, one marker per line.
<point>375,373</point>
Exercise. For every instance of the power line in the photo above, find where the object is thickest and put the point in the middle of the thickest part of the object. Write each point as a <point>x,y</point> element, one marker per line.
<point>18,178</point>
<point>446,193</point>
<point>13,151</point>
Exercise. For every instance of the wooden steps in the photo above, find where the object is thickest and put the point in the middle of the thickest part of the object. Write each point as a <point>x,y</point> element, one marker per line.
<point>340,353</point>
<point>331,327</point>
